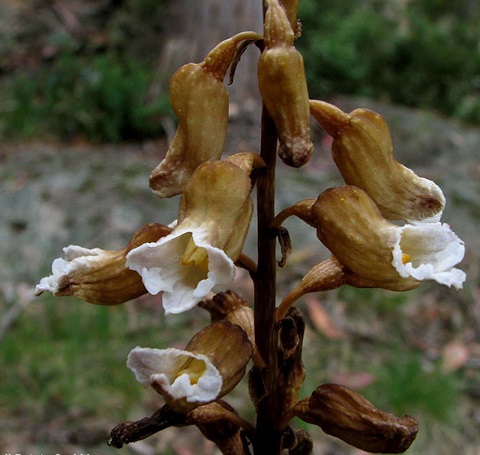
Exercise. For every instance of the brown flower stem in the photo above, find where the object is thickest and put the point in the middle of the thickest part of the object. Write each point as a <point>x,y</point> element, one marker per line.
<point>128,432</point>
<point>268,440</point>
<point>247,263</point>
<point>326,276</point>
<point>300,209</point>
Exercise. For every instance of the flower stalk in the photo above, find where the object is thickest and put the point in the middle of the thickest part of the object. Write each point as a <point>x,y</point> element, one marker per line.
<point>268,439</point>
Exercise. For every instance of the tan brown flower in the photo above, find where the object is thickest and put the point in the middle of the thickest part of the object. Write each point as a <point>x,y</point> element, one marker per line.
<point>99,276</point>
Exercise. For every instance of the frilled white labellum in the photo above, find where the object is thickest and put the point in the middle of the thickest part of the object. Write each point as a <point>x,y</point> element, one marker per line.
<point>75,258</point>
<point>429,251</point>
<point>184,266</point>
<point>178,374</point>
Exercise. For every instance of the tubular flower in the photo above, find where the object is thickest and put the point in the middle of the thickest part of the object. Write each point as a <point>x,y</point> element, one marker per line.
<point>200,102</point>
<point>282,83</point>
<point>211,365</point>
<point>99,276</point>
<point>381,254</point>
<point>199,255</point>
<point>363,152</point>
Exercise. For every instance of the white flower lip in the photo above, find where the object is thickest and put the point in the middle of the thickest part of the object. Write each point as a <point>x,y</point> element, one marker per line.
<point>161,367</point>
<point>75,258</point>
<point>429,251</point>
<point>184,285</point>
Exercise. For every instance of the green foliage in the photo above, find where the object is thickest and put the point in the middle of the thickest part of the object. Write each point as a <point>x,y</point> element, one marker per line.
<point>101,99</point>
<point>423,54</point>
<point>89,82</point>
<point>406,385</point>
<point>71,354</point>
<point>63,354</point>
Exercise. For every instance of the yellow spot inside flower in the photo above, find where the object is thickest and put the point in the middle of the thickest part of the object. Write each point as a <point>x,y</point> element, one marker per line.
<point>195,255</point>
<point>195,369</point>
<point>406,258</point>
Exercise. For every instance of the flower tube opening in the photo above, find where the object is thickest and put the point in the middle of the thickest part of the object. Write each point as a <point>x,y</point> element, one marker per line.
<point>429,252</point>
<point>183,266</point>
<point>180,375</point>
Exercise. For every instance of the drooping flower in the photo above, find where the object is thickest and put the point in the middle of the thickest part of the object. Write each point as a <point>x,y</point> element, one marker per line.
<point>99,276</point>
<point>369,251</point>
<point>381,254</point>
<point>211,365</point>
<point>199,255</point>
<point>363,152</point>
<point>200,101</point>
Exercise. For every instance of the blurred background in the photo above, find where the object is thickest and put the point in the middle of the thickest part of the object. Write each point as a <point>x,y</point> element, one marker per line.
<point>85,117</point>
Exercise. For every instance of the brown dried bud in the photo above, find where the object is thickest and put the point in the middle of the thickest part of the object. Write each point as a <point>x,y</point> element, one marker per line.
<point>291,373</point>
<point>301,442</point>
<point>200,102</point>
<point>99,276</point>
<point>282,84</point>
<point>363,152</point>
<point>342,413</point>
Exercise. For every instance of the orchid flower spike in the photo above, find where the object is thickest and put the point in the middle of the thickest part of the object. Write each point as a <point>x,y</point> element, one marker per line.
<point>363,152</point>
<point>211,365</point>
<point>199,255</point>
<point>381,254</point>
<point>99,276</point>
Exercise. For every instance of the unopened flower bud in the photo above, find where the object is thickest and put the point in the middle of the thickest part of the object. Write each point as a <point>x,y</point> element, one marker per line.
<point>381,254</point>
<point>199,255</point>
<point>282,84</point>
<point>211,365</point>
<point>363,152</point>
<point>99,276</point>
<point>200,101</point>
<point>342,413</point>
